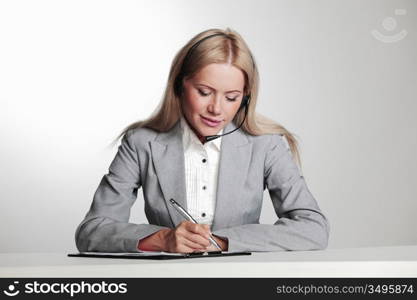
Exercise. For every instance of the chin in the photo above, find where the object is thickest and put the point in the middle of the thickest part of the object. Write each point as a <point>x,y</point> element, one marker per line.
<point>204,130</point>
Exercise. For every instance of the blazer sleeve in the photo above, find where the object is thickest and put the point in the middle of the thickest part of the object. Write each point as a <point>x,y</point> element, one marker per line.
<point>300,226</point>
<point>106,226</point>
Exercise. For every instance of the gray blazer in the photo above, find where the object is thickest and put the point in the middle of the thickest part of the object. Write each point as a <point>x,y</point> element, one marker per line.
<point>248,165</point>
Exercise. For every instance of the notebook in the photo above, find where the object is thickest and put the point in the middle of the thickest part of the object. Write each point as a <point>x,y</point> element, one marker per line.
<point>157,255</point>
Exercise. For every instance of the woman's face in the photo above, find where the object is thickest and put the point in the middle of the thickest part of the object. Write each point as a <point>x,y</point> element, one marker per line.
<point>215,94</point>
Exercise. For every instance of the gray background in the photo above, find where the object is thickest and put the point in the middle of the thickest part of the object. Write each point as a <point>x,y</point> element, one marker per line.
<point>73,74</point>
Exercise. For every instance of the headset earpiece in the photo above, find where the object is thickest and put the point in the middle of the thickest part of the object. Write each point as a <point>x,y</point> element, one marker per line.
<point>245,101</point>
<point>177,86</point>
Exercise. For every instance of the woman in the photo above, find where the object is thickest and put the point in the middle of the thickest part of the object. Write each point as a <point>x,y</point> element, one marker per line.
<point>212,90</point>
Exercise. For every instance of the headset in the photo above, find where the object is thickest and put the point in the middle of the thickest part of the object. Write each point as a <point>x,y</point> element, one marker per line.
<point>179,78</point>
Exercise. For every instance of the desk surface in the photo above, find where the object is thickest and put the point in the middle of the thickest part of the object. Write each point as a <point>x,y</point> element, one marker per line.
<point>398,261</point>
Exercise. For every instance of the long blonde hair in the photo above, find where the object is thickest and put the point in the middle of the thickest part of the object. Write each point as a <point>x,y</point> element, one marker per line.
<point>227,47</point>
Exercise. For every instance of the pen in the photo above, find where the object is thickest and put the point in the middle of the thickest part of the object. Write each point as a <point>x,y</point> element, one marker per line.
<point>186,215</point>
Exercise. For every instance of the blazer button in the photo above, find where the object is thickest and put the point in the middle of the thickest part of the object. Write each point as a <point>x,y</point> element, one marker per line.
<point>203,214</point>
<point>204,160</point>
<point>204,187</point>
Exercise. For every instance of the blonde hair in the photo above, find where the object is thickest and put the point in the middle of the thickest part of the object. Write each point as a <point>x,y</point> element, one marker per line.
<point>227,47</point>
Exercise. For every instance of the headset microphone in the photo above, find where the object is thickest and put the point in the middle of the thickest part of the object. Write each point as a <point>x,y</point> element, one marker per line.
<point>245,103</point>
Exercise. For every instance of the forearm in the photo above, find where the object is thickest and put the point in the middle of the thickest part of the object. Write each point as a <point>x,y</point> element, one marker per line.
<point>106,235</point>
<point>300,233</point>
<point>301,224</point>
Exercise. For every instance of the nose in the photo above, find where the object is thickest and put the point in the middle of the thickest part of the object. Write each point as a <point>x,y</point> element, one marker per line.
<point>214,106</point>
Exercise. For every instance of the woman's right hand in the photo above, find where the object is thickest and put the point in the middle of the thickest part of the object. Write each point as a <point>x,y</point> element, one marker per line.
<point>187,237</point>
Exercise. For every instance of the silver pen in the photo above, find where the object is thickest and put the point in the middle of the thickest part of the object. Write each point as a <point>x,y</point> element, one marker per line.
<point>186,215</point>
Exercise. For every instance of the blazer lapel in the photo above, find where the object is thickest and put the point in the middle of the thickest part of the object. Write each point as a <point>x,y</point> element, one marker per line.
<point>168,159</point>
<point>236,150</point>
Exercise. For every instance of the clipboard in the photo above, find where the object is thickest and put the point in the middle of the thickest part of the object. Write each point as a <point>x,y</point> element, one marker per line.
<point>157,255</point>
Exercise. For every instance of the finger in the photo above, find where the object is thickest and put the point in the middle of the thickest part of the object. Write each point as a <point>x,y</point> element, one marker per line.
<point>200,250</point>
<point>183,225</point>
<point>198,239</point>
<point>193,245</point>
<point>194,240</point>
<point>211,248</point>
<point>182,245</point>
<point>198,229</point>
<point>207,228</point>
<point>184,249</point>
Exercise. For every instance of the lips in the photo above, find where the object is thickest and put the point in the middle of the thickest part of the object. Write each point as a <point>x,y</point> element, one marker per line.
<point>210,122</point>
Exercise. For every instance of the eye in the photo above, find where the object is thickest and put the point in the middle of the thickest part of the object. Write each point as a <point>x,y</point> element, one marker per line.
<point>206,94</point>
<point>202,93</point>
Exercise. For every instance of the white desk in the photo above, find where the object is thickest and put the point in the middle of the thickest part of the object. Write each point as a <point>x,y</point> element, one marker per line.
<point>399,261</point>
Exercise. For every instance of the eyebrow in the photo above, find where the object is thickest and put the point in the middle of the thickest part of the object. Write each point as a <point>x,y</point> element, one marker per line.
<point>215,89</point>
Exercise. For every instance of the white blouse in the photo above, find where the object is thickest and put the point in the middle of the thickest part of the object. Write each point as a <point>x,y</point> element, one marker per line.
<point>201,169</point>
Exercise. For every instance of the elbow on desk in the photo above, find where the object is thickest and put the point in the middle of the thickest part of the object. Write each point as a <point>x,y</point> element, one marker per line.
<point>311,232</point>
<point>323,242</point>
<point>321,232</point>
<point>80,239</point>
<point>316,232</point>
<point>323,235</point>
<point>84,234</point>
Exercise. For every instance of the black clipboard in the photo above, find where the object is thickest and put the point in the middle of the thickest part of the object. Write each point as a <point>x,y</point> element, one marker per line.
<point>158,255</point>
